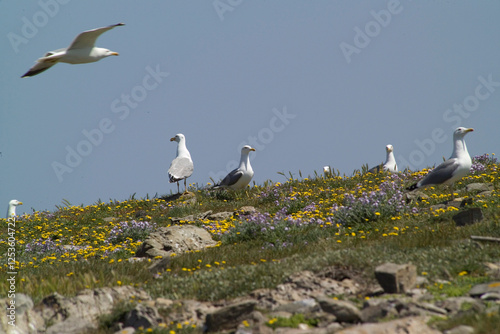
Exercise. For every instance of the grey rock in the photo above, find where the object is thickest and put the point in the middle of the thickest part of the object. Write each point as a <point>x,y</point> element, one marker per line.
<point>300,306</point>
<point>109,219</point>
<point>220,216</point>
<point>456,304</point>
<point>159,266</point>
<point>437,207</point>
<point>375,312</point>
<point>479,187</point>
<point>396,278</point>
<point>415,195</point>
<point>432,308</point>
<point>462,329</point>
<point>480,289</point>
<point>491,296</point>
<point>175,240</point>
<point>80,313</point>
<point>142,316</point>
<point>485,193</point>
<point>192,218</point>
<point>456,203</point>
<point>344,311</point>
<point>247,210</point>
<point>468,217</point>
<point>73,325</point>
<point>27,321</point>
<point>229,317</point>
<point>412,325</point>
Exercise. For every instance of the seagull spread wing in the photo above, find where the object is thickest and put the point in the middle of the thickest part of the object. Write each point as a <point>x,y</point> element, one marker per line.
<point>87,38</point>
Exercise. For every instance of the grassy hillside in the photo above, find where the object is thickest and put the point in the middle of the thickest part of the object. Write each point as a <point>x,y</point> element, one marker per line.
<point>355,222</point>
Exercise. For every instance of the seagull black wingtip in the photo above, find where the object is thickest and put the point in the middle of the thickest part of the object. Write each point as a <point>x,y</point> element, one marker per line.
<point>412,187</point>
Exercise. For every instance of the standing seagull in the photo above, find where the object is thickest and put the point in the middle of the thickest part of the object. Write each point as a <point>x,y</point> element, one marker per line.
<point>389,164</point>
<point>81,51</point>
<point>240,177</point>
<point>11,211</point>
<point>182,166</point>
<point>453,169</point>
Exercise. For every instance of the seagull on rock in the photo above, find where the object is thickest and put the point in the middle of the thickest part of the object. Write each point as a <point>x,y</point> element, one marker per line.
<point>240,177</point>
<point>11,211</point>
<point>182,166</point>
<point>389,164</point>
<point>82,50</point>
<point>453,169</point>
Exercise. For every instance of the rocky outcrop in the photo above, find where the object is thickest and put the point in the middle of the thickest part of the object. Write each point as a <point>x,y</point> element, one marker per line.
<point>167,241</point>
<point>313,296</point>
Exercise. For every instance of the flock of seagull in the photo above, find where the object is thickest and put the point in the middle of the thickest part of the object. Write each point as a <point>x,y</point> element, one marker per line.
<point>83,50</point>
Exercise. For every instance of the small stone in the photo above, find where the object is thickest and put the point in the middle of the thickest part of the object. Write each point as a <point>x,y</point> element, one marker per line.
<point>462,329</point>
<point>437,207</point>
<point>344,311</point>
<point>395,278</point>
<point>468,217</point>
<point>432,308</point>
<point>175,240</point>
<point>480,289</point>
<point>229,317</point>
<point>141,316</point>
<point>491,296</point>
<point>220,216</point>
<point>479,187</point>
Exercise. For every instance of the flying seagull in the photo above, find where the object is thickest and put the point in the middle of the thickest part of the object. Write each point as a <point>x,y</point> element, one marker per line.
<point>81,51</point>
<point>389,164</point>
<point>182,166</point>
<point>11,211</point>
<point>240,177</point>
<point>453,169</point>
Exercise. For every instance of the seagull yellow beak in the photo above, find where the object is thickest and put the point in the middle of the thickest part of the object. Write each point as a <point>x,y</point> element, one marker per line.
<point>20,203</point>
<point>469,130</point>
<point>114,54</point>
<point>252,149</point>
<point>172,139</point>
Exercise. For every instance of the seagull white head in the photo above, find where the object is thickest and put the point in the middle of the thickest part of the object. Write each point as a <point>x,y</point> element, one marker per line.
<point>11,212</point>
<point>178,137</point>
<point>389,148</point>
<point>460,132</point>
<point>247,149</point>
<point>110,53</point>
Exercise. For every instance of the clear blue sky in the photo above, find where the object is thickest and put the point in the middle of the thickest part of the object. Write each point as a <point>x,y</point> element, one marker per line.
<point>309,83</point>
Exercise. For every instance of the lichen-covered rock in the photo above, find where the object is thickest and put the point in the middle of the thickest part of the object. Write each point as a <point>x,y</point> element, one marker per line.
<point>175,240</point>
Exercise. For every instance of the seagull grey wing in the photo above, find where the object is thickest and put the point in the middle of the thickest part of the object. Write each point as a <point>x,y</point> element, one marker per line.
<point>87,38</point>
<point>180,168</point>
<point>38,68</point>
<point>231,178</point>
<point>377,169</point>
<point>51,53</point>
<point>43,64</point>
<point>440,174</point>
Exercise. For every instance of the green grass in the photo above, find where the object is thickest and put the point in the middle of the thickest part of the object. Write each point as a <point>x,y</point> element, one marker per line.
<point>249,257</point>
